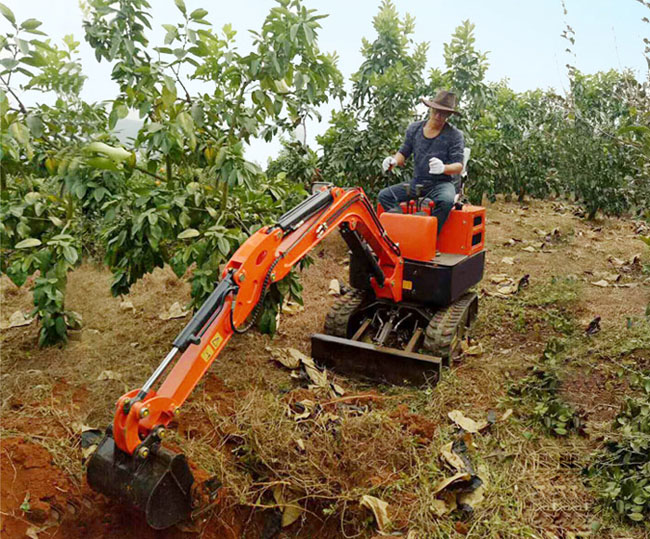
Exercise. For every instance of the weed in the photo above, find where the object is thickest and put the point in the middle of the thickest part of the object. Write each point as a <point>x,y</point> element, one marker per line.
<point>621,470</point>
<point>538,392</point>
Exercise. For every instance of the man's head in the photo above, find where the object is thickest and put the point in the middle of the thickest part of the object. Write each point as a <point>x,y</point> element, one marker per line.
<point>442,106</point>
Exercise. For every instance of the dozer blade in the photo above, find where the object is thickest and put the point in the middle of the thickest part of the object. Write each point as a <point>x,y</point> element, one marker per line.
<point>377,363</point>
<point>159,485</point>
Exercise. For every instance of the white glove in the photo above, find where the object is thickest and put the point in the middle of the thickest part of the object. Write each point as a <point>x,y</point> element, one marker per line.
<point>436,166</point>
<point>388,163</point>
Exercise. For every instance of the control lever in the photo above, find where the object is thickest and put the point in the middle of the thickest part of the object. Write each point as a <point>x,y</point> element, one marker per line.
<point>418,195</point>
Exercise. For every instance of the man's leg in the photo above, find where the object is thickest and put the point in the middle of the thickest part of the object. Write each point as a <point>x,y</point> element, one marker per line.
<point>442,194</point>
<point>390,197</point>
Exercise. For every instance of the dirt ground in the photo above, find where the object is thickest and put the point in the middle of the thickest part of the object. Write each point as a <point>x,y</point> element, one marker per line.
<point>50,395</point>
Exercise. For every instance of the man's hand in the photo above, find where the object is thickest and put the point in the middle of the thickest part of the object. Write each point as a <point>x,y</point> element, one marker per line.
<point>388,163</point>
<point>436,166</point>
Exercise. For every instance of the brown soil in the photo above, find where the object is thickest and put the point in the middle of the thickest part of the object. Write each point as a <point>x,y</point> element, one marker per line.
<point>47,395</point>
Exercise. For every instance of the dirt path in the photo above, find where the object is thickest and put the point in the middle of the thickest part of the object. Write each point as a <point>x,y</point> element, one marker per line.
<point>49,395</point>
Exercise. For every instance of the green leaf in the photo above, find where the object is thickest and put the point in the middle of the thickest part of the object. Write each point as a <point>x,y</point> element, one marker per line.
<point>60,326</point>
<point>20,133</point>
<point>70,254</point>
<point>637,517</point>
<point>224,246</point>
<point>189,233</point>
<point>35,125</point>
<point>181,5</point>
<point>8,14</point>
<point>30,24</point>
<point>25,505</point>
<point>27,243</point>
<point>198,14</point>
<point>154,127</point>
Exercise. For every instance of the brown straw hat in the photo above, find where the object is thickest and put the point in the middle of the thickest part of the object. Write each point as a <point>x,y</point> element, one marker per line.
<point>444,100</point>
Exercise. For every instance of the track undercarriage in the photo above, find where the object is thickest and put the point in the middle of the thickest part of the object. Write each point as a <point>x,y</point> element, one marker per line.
<point>393,343</point>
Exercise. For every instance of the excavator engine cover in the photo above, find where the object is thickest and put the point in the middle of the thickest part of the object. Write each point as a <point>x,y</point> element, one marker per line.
<point>160,485</point>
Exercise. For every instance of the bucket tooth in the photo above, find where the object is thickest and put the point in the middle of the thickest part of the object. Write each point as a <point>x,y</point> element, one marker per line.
<point>159,485</point>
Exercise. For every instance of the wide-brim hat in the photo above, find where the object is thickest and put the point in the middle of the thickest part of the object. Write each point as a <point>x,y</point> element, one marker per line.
<point>444,100</point>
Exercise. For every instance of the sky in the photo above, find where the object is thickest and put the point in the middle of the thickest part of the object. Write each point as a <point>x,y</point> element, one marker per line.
<point>522,37</point>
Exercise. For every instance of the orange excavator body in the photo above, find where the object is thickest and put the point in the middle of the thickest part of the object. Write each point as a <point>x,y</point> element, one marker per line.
<point>130,463</point>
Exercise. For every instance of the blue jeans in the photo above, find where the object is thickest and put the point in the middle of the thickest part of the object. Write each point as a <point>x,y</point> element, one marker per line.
<point>442,193</point>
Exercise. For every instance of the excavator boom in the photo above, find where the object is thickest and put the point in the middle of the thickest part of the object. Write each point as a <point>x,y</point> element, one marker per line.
<point>130,463</point>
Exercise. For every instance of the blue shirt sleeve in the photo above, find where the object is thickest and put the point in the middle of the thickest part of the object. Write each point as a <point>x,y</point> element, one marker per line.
<point>407,147</point>
<point>456,152</point>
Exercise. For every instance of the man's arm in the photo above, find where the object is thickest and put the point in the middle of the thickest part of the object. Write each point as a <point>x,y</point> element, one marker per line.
<point>400,160</point>
<point>453,168</point>
<point>456,155</point>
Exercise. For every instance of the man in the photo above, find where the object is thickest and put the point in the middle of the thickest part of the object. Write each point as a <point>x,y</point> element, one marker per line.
<point>437,149</point>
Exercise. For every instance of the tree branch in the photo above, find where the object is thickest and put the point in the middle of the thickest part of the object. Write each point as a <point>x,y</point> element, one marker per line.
<point>20,103</point>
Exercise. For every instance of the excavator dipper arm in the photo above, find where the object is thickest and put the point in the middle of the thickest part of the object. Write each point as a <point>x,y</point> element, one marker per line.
<point>119,467</point>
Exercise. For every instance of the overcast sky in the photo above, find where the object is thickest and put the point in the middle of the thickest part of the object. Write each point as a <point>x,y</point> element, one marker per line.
<point>522,36</point>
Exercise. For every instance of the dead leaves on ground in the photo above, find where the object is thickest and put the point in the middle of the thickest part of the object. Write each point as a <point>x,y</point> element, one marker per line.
<point>294,359</point>
<point>175,311</point>
<point>507,286</point>
<point>17,319</point>
<point>465,489</point>
<point>379,509</point>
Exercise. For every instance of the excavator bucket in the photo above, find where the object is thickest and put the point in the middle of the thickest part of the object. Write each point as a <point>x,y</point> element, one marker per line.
<point>159,485</point>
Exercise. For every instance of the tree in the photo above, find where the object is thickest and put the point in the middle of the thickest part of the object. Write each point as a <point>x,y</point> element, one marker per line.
<point>385,90</point>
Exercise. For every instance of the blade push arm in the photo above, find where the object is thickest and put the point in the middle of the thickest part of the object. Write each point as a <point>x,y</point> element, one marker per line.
<point>266,257</point>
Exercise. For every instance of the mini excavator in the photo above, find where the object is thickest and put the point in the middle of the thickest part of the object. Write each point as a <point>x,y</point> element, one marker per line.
<point>404,318</point>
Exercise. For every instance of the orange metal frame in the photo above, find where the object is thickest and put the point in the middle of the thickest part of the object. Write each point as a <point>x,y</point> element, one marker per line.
<point>268,248</point>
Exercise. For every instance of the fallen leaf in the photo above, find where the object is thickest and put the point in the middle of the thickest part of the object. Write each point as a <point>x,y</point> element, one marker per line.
<point>32,532</point>
<point>175,311</point>
<point>461,527</point>
<point>17,319</point>
<point>318,377</point>
<point>379,508</point>
<point>473,498</point>
<point>540,232</point>
<point>109,375</point>
<point>451,458</point>
<point>301,444</point>
<point>508,289</point>
<point>307,406</point>
<point>506,414</point>
<point>529,249</point>
<point>334,288</point>
<point>289,357</point>
<point>499,278</point>
<point>440,508</point>
<point>508,260</point>
<point>602,283</point>
<point>73,319</point>
<point>466,423</point>
<point>291,307</point>
<point>523,282</point>
<point>593,327</point>
<point>127,305</point>
<point>615,261</point>
<point>449,481</point>
<point>337,390</point>
<point>471,349</point>
<point>291,510</point>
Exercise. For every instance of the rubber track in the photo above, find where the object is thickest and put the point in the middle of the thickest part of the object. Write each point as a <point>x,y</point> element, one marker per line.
<point>336,321</point>
<point>445,324</point>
